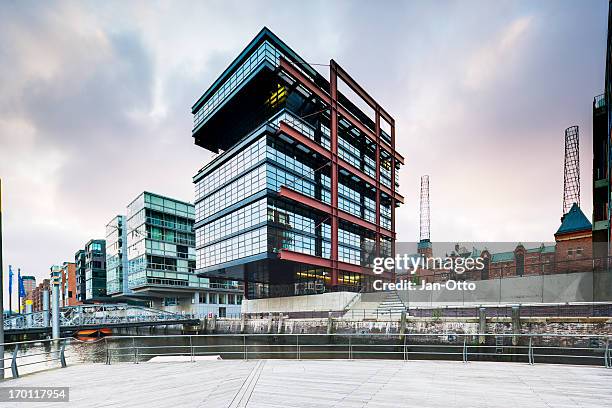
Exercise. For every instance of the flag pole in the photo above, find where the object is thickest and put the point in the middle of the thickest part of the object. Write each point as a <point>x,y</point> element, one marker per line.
<point>19,290</point>
<point>10,288</point>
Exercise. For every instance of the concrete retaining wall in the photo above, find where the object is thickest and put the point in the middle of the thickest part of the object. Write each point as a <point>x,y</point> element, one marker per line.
<point>434,326</point>
<point>332,301</point>
<point>562,288</point>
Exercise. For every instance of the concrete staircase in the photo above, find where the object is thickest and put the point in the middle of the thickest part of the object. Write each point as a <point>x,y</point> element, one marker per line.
<point>390,307</point>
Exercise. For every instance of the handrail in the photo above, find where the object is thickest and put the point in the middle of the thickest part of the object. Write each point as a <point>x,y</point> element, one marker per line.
<point>468,347</point>
<point>464,346</point>
<point>15,365</point>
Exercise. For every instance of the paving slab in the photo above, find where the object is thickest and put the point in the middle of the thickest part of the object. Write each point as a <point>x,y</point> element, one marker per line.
<point>324,383</point>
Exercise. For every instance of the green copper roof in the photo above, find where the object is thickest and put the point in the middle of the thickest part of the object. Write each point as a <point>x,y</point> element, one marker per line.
<point>502,256</point>
<point>573,221</point>
<point>424,243</point>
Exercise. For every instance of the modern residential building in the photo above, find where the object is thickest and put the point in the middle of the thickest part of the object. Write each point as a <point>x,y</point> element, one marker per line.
<point>161,260</point>
<point>57,273</point>
<point>69,285</point>
<point>303,195</point>
<point>79,260</point>
<point>37,295</point>
<point>602,153</point>
<point>116,257</point>
<point>95,270</point>
<point>601,180</point>
<point>90,264</point>
<point>29,283</point>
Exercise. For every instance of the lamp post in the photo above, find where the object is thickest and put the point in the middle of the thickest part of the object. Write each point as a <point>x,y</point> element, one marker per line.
<point>55,309</point>
<point>1,294</point>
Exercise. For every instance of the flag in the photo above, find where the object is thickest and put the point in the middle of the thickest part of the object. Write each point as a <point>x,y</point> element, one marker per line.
<point>10,279</point>
<point>22,292</point>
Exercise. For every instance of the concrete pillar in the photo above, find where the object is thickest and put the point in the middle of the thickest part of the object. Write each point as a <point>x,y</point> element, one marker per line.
<point>330,324</point>
<point>516,324</point>
<point>55,318</point>
<point>213,324</point>
<point>402,328</point>
<point>281,318</point>
<point>242,323</point>
<point>270,319</point>
<point>195,310</point>
<point>45,305</point>
<point>28,310</point>
<point>482,325</point>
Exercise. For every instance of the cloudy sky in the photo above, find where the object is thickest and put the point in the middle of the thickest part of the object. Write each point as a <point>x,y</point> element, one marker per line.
<point>95,104</point>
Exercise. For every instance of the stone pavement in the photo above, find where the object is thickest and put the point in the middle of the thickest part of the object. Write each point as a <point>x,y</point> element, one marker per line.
<point>325,383</point>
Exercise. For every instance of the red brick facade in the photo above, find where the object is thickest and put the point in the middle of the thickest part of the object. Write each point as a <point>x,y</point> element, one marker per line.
<point>572,252</point>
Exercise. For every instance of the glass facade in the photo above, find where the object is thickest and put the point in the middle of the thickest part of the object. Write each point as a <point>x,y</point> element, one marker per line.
<point>161,243</point>
<point>79,260</point>
<point>239,215</point>
<point>251,221</point>
<point>116,256</point>
<point>265,53</point>
<point>95,269</point>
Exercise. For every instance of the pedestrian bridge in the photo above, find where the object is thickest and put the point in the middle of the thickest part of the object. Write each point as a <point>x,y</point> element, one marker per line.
<point>95,316</point>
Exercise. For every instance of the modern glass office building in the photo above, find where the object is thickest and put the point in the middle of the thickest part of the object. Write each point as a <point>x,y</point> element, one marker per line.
<point>116,256</point>
<point>95,270</point>
<point>161,259</point>
<point>303,195</point>
<point>90,271</point>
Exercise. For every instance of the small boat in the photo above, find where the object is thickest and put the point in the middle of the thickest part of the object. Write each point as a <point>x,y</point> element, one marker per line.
<point>92,334</point>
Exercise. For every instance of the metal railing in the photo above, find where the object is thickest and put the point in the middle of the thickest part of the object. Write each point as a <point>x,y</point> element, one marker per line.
<point>509,347</point>
<point>17,359</point>
<point>94,314</point>
<point>568,348</point>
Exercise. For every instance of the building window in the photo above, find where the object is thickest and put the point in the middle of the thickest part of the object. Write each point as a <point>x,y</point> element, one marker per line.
<point>520,264</point>
<point>579,251</point>
<point>570,252</point>
<point>170,301</point>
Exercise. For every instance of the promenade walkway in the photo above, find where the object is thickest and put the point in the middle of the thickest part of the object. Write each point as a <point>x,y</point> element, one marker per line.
<point>325,383</point>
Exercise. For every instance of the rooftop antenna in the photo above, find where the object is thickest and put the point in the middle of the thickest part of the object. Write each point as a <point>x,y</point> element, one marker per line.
<point>424,226</point>
<point>571,171</point>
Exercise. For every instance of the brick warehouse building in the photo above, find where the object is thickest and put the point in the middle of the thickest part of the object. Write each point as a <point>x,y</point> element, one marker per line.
<point>69,284</point>
<point>304,194</point>
<point>37,295</point>
<point>572,252</point>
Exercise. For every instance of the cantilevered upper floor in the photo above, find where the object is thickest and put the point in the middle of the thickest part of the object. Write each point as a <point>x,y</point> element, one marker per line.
<point>259,83</point>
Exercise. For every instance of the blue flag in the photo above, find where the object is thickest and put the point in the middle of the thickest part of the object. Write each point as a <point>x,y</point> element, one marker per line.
<point>10,279</point>
<point>22,292</point>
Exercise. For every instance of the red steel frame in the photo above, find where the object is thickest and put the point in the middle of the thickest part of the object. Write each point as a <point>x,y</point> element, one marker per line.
<point>336,214</point>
